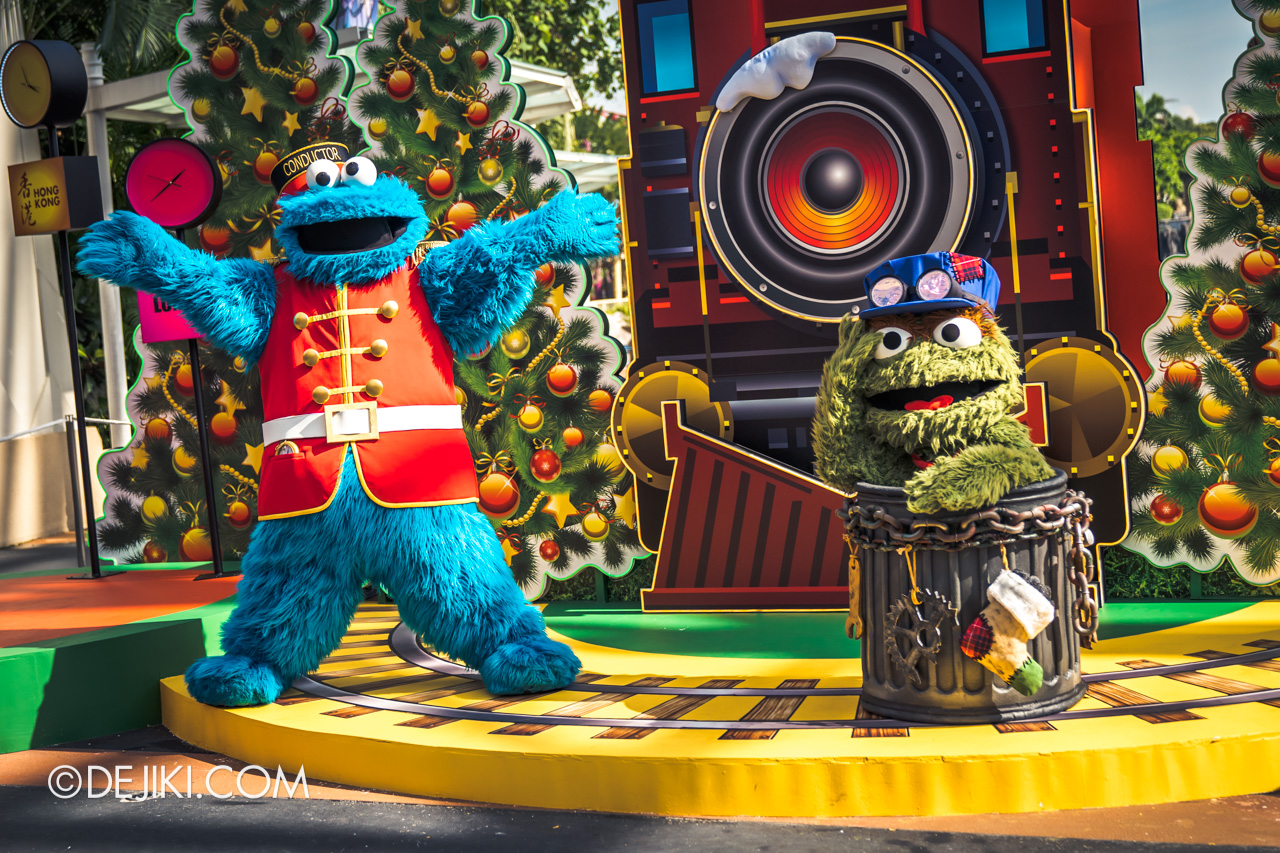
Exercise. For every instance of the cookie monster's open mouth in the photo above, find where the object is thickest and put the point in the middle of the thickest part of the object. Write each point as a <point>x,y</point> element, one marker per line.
<point>930,397</point>
<point>349,236</point>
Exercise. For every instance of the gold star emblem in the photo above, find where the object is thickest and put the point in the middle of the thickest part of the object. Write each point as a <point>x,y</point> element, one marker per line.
<point>253,103</point>
<point>154,382</point>
<point>253,457</point>
<point>263,252</point>
<point>561,508</point>
<point>463,142</point>
<point>427,123</point>
<point>228,401</point>
<point>140,457</point>
<point>624,507</point>
<point>508,550</point>
<point>291,122</point>
<point>237,6</point>
<point>1273,346</point>
<point>557,301</point>
<point>415,32</point>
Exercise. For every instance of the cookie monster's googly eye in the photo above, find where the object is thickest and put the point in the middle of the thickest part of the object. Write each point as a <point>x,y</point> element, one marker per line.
<point>958,333</point>
<point>892,341</point>
<point>887,291</point>
<point>359,170</point>
<point>935,284</point>
<point>322,173</point>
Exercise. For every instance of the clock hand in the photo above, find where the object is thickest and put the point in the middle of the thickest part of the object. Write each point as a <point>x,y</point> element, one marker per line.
<point>162,189</point>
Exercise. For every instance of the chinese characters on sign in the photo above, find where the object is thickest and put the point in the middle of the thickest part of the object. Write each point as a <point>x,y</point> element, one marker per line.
<point>38,192</point>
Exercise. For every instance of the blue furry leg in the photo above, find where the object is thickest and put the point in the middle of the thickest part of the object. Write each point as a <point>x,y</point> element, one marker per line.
<point>445,569</point>
<point>294,602</point>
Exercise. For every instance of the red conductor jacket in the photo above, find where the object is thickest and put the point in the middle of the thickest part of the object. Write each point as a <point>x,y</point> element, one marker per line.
<point>366,371</point>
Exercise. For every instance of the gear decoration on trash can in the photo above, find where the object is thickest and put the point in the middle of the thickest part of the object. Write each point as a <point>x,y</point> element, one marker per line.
<point>919,627</point>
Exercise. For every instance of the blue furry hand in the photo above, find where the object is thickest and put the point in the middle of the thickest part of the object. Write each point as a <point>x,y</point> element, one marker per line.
<point>114,248</point>
<point>578,226</point>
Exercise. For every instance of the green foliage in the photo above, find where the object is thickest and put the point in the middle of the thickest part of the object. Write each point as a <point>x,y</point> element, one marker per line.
<point>579,37</point>
<point>1170,135</point>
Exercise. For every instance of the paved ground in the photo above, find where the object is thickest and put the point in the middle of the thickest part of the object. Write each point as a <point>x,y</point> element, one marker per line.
<point>58,552</point>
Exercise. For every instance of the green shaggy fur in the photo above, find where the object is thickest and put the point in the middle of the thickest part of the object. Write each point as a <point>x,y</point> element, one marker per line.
<point>980,452</point>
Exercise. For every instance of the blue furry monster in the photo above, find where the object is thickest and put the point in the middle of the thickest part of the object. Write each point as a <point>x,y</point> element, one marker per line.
<point>397,510</point>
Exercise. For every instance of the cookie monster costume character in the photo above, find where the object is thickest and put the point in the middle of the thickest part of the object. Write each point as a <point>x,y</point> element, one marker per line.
<point>920,389</point>
<point>366,472</point>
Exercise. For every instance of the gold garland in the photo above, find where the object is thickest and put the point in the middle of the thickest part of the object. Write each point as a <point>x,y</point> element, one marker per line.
<point>227,469</point>
<point>1262,222</point>
<point>533,507</point>
<point>431,78</point>
<point>257,57</point>
<point>1217,297</point>
<point>176,361</point>
<point>511,193</point>
<point>550,347</point>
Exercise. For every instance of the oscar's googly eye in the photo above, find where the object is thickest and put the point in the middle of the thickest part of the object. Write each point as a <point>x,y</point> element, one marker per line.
<point>958,333</point>
<point>322,173</point>
<point>892,341</point>
<point>359,170</point>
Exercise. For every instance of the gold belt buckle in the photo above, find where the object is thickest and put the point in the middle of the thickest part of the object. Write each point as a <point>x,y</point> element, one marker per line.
<point>338,437</point>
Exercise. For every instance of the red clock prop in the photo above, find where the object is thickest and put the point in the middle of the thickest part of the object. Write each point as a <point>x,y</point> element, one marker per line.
<point>174,183</point>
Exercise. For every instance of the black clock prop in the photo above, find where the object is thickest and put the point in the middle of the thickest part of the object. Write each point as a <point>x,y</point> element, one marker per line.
<point>199,159</point>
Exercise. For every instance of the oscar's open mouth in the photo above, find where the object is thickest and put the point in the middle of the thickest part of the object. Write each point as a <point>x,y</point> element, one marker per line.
<point>930,397</point>
<point>349,236</point>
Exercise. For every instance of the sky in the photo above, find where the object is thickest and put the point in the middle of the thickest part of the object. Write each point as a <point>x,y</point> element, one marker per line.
<point>1189,49</point>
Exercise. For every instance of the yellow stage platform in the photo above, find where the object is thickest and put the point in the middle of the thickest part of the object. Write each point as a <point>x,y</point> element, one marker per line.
<point>1183,713</point>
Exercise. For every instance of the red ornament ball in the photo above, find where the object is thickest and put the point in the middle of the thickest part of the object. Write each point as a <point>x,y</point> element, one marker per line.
<point>307,32</point>
<point>572,436</point>
<point>462,215</point>
<point>476,356</point>
<point>1184,372</point>
<point>305,91</point>
<point>1164,510</point>
<point>544,275</point>
<point>1225,513</point>
<point>477,114</point>
<point>154,552</point>
<point>215,240</point>
<point>223,427</point>
<point>224,62</point>
<point>238,515</point>
<point>1229,321</point>
<point>600,400</point>
<point>182,379</point>
<point>195,546</point>
<point>549,550</point>
<point>1273,471</point>
<point>562,379</point>
<point>545,466</point>
<point>480,58</point>
<point>1257,264</point>
<point>262,166</point>
<point>499,495</point>
<point>159,429</point>
<point>1266,377</point>
<point>1269,168</point>
<point>440,183</point>
<point>1242,123</point>
<point>400,85</point>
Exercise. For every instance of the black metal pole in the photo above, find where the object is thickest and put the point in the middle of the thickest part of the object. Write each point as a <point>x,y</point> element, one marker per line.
<point>73,341</point>
<point>72,456</point>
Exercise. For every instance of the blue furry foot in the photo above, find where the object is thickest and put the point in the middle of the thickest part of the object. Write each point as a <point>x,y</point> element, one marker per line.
<point>233,681</point>
<point>532,665</point>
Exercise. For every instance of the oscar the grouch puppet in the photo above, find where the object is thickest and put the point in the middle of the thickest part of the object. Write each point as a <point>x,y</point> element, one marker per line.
<point>920,390</point>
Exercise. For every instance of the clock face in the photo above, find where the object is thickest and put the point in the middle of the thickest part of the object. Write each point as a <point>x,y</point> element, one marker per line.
<point>25,86</point>
<point>173,182</point>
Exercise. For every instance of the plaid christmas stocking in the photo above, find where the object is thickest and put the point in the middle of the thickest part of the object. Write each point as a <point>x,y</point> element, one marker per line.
<point>997,639</point>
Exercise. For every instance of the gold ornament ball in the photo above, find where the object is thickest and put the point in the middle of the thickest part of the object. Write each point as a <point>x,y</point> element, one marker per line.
<point>490,171</point>
<point>183,462</point>
<point>377,128</point>
<point>262,166</point>
<point>530,418</point>
<point>608,456</point>
<point>1213,411</point>
<point>448,54</point>
<point>1224,511</point>
<point>159,429</point>
<point>499,495</point>
<point>1273,471</point>
<point>1269,23</point>
<point>600,400</point>
<point>1168,459</point>
<point>154,552</point>
<point>449,8</point>
<point>1240,196</point>
<point>572,436</point>
<point>516,343</point>
<point>183,381</point>
<point>154,508</point>
<point>460,396</point>
<point>238,515</point>
<point>271,29</point>
<point>223,427</point>
<point>195,546</point>
<point>239,364</point>
<point>200,109</point>
<point>595,527</point>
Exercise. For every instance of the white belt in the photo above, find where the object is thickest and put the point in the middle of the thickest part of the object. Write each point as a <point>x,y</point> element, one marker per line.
<point>342,422</point>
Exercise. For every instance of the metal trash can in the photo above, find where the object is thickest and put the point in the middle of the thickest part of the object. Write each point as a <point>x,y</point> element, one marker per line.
<point>913,667</point>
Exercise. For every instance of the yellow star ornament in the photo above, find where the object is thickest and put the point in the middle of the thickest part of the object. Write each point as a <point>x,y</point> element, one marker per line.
<point>463,142</point>
<point>140,457</point>
<point>1273,345</point>
<point>560,507</point>
<point>253,103</point>
<point>237,6</point>
<point>253,457</point>
<point>263,252</point>
<point>228,402</point>
<point>556,301</point>
<point>624,507</point>
<point>509,550</point>
<point>291,122</point>
<point>427,123</point>
<point>415,32</point>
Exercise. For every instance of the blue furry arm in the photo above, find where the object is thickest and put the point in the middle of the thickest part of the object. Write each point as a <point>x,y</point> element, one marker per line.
<point>480,283</point>
<point>229,302</point>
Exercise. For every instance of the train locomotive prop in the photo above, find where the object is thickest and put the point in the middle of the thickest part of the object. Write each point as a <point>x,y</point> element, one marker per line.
<point>782,149</point>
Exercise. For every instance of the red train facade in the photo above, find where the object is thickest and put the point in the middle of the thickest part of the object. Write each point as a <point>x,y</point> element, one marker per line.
<point>999,128</point>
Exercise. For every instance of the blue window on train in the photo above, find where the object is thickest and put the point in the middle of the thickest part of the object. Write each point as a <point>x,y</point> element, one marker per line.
<point>1012,25</point>
<point>666,46</point>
